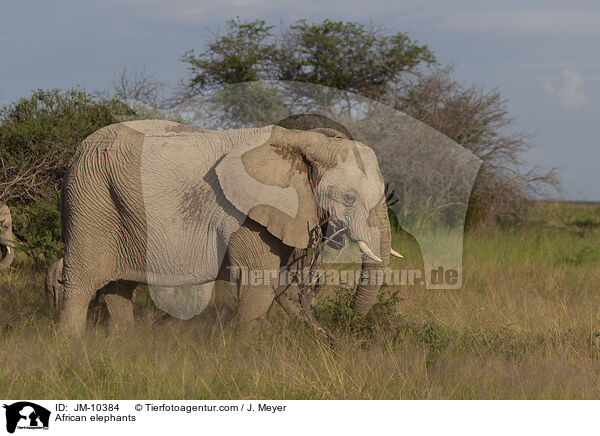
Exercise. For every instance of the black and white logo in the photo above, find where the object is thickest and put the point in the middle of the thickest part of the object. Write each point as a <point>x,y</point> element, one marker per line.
<point>26,415</point>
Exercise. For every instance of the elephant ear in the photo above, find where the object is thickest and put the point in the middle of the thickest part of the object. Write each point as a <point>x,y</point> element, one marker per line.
<point>270,184</point>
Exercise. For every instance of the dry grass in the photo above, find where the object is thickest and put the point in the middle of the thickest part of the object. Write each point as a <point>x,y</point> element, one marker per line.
<point>525,325</point>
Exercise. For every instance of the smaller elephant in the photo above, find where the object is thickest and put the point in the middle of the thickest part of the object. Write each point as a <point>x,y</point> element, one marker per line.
<point>116,296</point>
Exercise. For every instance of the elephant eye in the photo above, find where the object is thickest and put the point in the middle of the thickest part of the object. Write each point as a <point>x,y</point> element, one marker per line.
<point>349,199</point>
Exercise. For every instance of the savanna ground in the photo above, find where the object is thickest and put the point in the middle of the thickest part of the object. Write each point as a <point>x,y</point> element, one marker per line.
<point>525,325</point>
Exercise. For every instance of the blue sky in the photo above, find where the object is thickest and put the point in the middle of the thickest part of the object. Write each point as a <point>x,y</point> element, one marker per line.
<point>542,55</point>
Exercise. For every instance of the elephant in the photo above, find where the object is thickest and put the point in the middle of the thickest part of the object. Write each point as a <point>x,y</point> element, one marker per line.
<point>6,237</point>
<point>170,205</point>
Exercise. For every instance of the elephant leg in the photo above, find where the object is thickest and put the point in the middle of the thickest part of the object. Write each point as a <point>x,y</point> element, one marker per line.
<point>84,274</point>
<point>254,303</point>
<point>258,256</point>
<point>77,300</point>
<point>118,296</point>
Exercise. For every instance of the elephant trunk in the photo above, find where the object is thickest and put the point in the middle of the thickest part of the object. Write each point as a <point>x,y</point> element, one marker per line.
<point>6,238</point>
<point>373,272</point>
<point>54,287</point>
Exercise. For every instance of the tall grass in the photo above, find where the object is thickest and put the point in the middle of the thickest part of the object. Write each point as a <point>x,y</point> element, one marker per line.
<point>525,325</point>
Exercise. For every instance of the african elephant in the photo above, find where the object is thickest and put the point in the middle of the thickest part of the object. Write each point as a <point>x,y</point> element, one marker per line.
<point>169,205</point>
<point>6,237</point>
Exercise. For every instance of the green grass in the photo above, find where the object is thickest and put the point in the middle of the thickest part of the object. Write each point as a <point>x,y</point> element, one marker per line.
<point>525,325</point>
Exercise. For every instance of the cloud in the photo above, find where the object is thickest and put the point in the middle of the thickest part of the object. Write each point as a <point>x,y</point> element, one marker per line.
<point>569,89</point>
<point>511,17</point>
<point>549,88</point>
<point>192,11</point>
<point>560,22</point>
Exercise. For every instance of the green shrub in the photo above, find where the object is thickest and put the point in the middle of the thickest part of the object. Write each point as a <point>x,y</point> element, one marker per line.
<point>337,313</point>
<point>38,136</point>
<point>37,228</point>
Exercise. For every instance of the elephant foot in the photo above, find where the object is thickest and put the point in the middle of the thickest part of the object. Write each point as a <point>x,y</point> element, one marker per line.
<point>117,298</point>
<point>73,319</point>
<point>121,321</point>
<point>249,330</point>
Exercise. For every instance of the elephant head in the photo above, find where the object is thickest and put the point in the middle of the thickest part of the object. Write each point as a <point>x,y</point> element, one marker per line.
<point>296,180</point>
<point>6,237</point>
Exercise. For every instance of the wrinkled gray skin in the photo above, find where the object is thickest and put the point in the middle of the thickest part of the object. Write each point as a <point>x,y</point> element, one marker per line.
<point>120,315</point>
<point>6,237</point>
<point>169,205</point>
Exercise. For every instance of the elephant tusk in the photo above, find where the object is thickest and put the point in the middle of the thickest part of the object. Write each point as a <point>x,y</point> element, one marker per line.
<point>395,253</point>
<point>367,251</point>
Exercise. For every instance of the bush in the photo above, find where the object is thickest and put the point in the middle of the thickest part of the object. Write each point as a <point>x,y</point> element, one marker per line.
<point>383,319</point>
<point>38,136</point>
<point>37,227</point>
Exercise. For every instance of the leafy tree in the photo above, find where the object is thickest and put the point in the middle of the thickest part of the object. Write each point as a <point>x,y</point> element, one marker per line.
<point>348,56</point>
<point>343,55</point>
<point>244,54</point>
<point>390,68</point>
